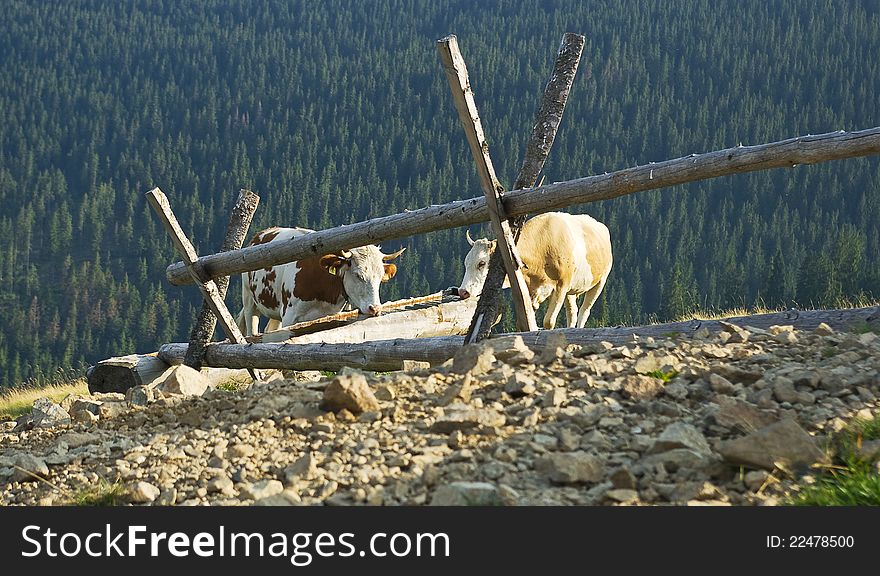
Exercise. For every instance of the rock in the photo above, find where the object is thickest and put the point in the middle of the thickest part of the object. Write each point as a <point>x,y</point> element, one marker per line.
<point>783,442</point>
<point>823,329</point>
<point>680,435</point>
<point>28,468</point>
<point>284,498</point>
<point>385,393</point>
<point>676,389</point>
<point>720,385</point>
<point>622,495</point>
<point>571,467</point>
<point>140,395</point>
<point>223,485</point>
<point>554,347</point>
<point>350,392</point>
<point>48,414</point>
<point>754,479</point>
<point>467,419</point>
<point>868,450</point>
<point>240,451</point>
<point>415,365</point>
<point>511,350</point>
<point>142,492</point>
<point>261,489</point>
<point>460,391</point>
<point>623,478</point>
<point>305,468</point>
<point>640,387</point>
<point>735,413</point>
<point>184,381</point>
<point>783,390</point>
<point>554,397</point>
<point>467,494</point>
<point>77,439</point>
<point>474,359</point>
<point>519,385</point>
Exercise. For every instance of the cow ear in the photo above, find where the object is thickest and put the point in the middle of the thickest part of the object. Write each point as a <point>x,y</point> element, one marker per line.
<point>331,263</point>
<point>390,271</point>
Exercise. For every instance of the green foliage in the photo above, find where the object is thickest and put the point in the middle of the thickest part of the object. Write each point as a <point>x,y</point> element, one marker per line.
<point>665,376</point>
<point>854,481</point>
<point>334,116</point>
<point>102,493</point>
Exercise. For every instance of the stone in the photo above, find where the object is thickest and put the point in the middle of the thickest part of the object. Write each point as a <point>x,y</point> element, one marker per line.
<point>640,387</point>
<point>554,347</point>
<point>48,414</point>
<point>223,485</point>
<point>511,350</point>
<point>738,414</point>
<point>184,381</point>
<point>681,435</point>
<point>623,478</point>
<point>467,494</point>
<point>783,390</point>
<point>554,397</point>
<point>286,497</point>
<point>350,392</point>
<point>140,395</point>
<point>142,492</point>
<point>622,495</point>
<point>571,467</point>
<point>474,359</point>
<point>676,389</point>
<point>823,329</point>
<point>784,442</point>
<point>467,419</point>
<point>28,468</point>
<point>240,451</point>
<point>519,385</point>
<point>720,385</point>
<point>260,489</point>
<point>754,479</point>
<point>305,468</point>
<point>415,365</point>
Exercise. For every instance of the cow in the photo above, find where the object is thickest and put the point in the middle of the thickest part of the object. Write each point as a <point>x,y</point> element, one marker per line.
<point>565,256</point>
<point>313,287</point>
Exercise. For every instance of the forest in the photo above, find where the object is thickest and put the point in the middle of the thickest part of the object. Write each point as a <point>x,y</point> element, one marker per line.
<point>337,111</point>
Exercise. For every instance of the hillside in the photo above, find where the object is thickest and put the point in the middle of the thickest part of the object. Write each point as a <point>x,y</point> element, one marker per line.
<point>333,116</point>
<point>740,417</point>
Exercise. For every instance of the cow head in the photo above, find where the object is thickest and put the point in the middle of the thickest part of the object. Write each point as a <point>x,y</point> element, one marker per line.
<point>361,271</point>
<point>476,266</point>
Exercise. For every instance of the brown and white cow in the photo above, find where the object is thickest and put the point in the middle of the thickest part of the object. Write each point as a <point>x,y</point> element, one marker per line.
<point>566,255</point>
<point>313,287</point>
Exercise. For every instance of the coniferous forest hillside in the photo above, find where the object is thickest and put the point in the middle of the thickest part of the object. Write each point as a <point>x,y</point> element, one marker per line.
<point>338,111</point>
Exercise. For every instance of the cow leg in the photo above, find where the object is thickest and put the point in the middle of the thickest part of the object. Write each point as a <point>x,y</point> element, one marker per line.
<point>589,299</point>
<point>571,310</point>
<point>273,325</point>
<point>554,306</point>
<point>246,320</point>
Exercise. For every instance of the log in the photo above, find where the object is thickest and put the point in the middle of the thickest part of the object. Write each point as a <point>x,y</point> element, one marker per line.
<point>442,319</point>
<point>384,355</point>
<point>124,372</point>
<point>547,121</point>
<point>207,286</point>
<point>236,231</point>
<point>463,95</point>
<point>786,153</point>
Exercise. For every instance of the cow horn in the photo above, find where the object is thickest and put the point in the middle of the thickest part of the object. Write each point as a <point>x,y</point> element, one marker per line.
<point>389,257</point>
<point>346,254</point>
<point>467,234</point>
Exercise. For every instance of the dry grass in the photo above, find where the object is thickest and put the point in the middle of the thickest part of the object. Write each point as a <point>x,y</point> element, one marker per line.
<point>17,401</point>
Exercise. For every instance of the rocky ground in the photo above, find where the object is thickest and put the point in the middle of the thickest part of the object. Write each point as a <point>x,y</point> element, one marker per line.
<point>741,417</point>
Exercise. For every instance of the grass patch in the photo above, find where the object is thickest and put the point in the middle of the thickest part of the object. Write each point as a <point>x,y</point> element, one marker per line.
<point>854,481</point>
<point>328,373</point>
<point>17,401</point>
<point>863,327</point>
<point>103,493</point>
<point>665,376</point>
<point>232,386</point>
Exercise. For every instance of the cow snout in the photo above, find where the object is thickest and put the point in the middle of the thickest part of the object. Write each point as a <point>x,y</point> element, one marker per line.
<point>374,310</point>
<point>463,294</point>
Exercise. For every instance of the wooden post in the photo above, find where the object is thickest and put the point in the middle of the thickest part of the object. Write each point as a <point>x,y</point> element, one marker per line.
<point>457,75</point>
<point>736,160</point>
<point>547,121</point>
<point>236,230</point>
<point>208,287</point>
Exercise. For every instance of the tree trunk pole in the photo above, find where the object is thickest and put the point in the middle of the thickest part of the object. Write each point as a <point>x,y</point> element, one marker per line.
<point>236,231</point>
<point>463,95</point>
<point>547,121</point>
<point>789,153</point>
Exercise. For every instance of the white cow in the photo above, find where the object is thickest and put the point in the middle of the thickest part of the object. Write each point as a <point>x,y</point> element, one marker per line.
<point>313,287</point>
<point>566,255</point>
